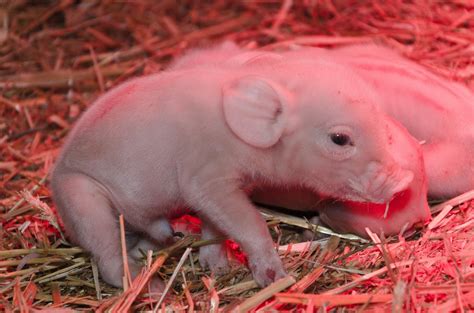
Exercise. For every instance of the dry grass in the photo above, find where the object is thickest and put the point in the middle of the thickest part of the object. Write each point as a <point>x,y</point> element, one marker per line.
<point>57,56</point>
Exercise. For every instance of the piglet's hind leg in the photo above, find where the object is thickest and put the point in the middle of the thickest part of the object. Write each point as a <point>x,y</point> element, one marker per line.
<point>90,222</point>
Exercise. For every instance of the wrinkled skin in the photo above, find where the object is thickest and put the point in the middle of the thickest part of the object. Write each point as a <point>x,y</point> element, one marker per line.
<point>203,138</point>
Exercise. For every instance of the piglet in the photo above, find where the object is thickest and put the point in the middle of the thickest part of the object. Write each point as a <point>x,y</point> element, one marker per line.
<point>204,138</point>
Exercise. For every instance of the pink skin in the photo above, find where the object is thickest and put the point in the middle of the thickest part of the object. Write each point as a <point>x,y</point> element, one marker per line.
<point>203,138</point>
<point>436,111</point>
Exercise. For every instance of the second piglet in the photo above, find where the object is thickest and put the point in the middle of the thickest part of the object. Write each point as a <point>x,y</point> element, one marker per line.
<point>436,111</point>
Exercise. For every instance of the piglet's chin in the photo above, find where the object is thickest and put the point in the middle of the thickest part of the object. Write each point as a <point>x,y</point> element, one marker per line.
<point>380,210</point>
<point>402,212</point>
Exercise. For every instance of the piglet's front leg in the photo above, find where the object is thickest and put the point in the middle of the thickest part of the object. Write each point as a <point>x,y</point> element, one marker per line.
<point>230,211</point>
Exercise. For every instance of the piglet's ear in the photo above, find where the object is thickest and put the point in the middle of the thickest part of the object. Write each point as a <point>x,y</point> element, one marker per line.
<point>255,110</point>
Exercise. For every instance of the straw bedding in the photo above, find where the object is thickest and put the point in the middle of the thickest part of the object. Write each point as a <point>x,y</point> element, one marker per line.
<point>56,57</point>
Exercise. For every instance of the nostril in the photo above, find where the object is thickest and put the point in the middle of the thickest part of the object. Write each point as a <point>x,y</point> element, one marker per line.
<point>405,178</point>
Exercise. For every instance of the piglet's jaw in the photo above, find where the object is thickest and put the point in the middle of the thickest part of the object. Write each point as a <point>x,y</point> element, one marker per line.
<point>406,209</point>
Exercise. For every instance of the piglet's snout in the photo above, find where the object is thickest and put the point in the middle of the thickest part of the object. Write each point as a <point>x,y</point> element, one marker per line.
<point>401,182</point>
<point>393,183</point>
<point>380,183</point>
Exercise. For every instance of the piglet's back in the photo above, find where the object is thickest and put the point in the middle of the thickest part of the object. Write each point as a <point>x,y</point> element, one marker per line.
<point>111,124</point>
<point>408,84</point>
<point>139,127</point>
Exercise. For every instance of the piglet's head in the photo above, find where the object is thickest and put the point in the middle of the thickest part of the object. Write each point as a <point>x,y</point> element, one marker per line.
<point>330,139</point>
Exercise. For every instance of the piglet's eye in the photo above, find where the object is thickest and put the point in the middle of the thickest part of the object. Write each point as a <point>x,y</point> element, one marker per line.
<point>341,139</point>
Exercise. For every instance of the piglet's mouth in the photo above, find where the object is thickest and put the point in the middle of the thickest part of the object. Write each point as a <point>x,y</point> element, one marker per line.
<point>378,184</point>
<point>380,210</point>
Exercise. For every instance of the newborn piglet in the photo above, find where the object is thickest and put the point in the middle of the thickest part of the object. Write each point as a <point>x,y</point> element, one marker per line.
<point>202,138</point>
